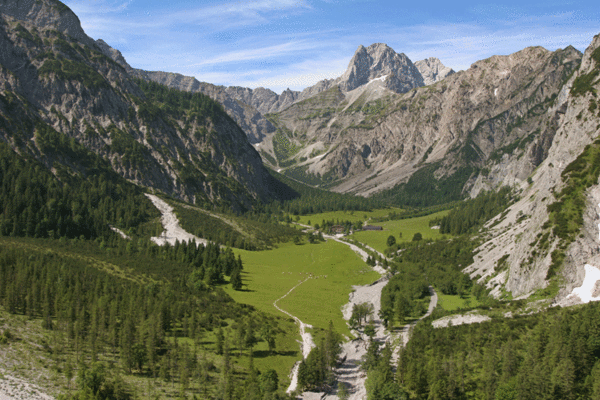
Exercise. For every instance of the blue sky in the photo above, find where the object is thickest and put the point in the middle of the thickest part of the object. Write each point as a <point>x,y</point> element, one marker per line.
<point>296,43</point>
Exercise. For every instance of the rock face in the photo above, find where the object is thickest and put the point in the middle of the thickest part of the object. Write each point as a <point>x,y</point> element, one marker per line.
<point>55,79</point>
<point>247,116</point>
<point>489,123</point>
<point>524,243</point>
<point>432,70</point>
<point>51,14</point>
<point>379,61</point>
<point>377,64</point>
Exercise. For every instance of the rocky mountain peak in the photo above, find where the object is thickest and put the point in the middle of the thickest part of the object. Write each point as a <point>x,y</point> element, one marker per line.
<point>433,70</point>
<point>51,14</point>
<point>376,61</point>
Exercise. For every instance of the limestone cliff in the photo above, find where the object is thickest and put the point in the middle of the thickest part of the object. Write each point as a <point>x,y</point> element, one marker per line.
<point>544,241</point>
<point>432,70</point>
<point>490,120</point>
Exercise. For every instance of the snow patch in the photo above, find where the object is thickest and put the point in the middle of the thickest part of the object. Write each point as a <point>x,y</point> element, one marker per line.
<point>381,78</point>
<point>496,92</point>
<point>588,290</point>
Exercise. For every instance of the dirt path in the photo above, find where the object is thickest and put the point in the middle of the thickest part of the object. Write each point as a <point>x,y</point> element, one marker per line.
<point>349,371</point>
<point>173,231</point>
<point>307,341</point>
<point>406,329</point>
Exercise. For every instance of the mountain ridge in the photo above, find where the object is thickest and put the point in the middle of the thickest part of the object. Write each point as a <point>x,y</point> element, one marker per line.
<point>65,80</point>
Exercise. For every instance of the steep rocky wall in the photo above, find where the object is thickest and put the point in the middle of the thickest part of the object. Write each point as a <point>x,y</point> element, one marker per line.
<point>378,138</point>
<point>525,267</point>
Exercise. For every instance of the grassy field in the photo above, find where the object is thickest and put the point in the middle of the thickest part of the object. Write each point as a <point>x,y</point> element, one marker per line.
<point>334,269</point>
<point>352,216</point>
<point>454,302</point>
<point>407,227</point>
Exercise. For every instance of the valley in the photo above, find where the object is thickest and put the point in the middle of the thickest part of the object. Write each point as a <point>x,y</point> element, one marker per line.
<point>402,231</point>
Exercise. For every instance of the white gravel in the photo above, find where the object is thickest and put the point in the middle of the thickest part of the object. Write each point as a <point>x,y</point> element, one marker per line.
<point>12,388</point>
<point>173,231</point>
<point>455,320</point>
<point>120,232</point>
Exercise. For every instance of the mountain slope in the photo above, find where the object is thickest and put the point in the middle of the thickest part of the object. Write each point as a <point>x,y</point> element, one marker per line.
<point>545,240</point>
<point>250,107</point>
<point>372,138</point>
<point>182,144</point>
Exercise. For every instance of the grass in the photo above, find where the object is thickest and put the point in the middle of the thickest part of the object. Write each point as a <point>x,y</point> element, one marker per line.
<point>37,355</point>
<point>408,227</point>
<point>454,302</point>
<point>271,274</point>
<point>286,352</point>
<point>352,216</point>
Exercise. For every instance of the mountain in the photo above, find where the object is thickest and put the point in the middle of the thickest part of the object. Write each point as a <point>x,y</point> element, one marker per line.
<point>379,61</point>
<point>545,240</point>
<point>377,64</point>
<point>432,70</point>
<point>57,80</point>
<point>461,128</point>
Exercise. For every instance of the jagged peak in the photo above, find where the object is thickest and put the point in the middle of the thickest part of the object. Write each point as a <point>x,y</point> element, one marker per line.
<point>376,61</point>
<point>113,53</point>
<point>47,14</point>
<point>433,70</point>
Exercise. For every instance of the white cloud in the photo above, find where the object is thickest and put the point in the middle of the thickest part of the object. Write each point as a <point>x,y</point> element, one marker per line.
<point>275,44</point>
<point>257,53</point>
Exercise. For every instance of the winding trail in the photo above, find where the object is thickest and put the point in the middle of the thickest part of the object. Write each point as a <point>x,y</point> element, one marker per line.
<point>349,371</point>
<point>307,341</point>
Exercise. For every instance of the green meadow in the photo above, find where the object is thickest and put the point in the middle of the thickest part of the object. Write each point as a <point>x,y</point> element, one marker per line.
<point>406,227</point>
<point>454,302</point>
<point>331,266</point>
<point>352,216</point>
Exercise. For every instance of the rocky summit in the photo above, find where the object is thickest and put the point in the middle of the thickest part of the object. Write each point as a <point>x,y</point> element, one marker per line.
<point>379,61</point>
<point>432,70</point>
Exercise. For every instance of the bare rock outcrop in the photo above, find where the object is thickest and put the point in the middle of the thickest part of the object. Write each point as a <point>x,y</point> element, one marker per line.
<point>82,91</point>
<point>490,118</point>
<point>519,253</point>
<point>377,61</point>
<point>432,70</point>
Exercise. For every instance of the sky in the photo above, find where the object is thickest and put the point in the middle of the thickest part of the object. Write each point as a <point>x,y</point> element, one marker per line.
<point>280,44</point>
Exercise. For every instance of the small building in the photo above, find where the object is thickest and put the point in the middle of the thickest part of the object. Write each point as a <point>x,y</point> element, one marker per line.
<point>337,229</point>
<point>372,228</point>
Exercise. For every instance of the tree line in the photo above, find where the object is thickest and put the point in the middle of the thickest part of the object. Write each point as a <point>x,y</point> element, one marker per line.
<point>471,214</point>
<point>36,203</point>
<point>550,355</point>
